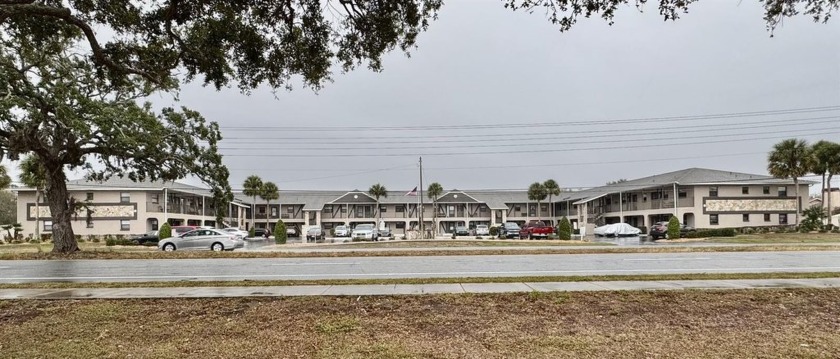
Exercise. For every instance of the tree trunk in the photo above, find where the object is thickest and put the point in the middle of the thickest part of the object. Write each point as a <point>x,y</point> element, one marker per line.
<point>798,200</point>
<point>551,212</point>
<point>267,216</point>
<point>828,203</point>
<point>37,213</point>
<point>822,196</point>
<point>62,208</point>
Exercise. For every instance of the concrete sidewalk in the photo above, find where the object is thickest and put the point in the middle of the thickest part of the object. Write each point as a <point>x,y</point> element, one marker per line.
<point>409,289</point>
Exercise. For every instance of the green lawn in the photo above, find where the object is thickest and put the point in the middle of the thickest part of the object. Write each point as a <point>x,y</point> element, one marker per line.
<point>774,238</point>
<point>451,243</point>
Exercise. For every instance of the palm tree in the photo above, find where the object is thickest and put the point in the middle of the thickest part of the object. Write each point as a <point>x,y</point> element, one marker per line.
<point>252,187</point>
<point>790,159</point>
<point>377,191</point>
<point>553,189</point>
<point>268,192</point>
<point>825,161</point>
<point>434,191</point>
<point>537,192</point>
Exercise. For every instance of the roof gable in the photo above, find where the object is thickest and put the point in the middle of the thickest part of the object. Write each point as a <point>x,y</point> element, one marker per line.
<point>456,197</point>
<point>354,197</point>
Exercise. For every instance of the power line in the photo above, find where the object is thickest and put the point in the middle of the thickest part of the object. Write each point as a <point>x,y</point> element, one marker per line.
<point>535,124</point>
<point>512,137</point>
<point>497,145</point>
<point>821,132</point>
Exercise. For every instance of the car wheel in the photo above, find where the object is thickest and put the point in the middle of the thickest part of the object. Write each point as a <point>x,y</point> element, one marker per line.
<point>169,247</point>
<point>217,247</point>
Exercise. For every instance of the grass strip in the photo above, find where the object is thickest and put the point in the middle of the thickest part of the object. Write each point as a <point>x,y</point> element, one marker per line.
<point>261,283</point>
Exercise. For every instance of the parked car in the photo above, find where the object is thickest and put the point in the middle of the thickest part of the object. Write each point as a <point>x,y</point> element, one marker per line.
<point>384,234</point>
<point>342,231</point>
<point>509,230</point>
<point>482,230</point>
<point>616,230</point>
<point>292,231</point>
<point>147,238</point>
<point>261,233</point>
<point>462,231</point>
<point>315,233</point>
<point>237,232</point>
<point>535,229</point>
<point>179,230</point>
<point>660,230</point>
<point>365,232</point>
<point>202,239</point>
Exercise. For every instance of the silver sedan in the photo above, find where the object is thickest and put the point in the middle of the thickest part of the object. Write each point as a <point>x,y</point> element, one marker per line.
<point>202,239</point>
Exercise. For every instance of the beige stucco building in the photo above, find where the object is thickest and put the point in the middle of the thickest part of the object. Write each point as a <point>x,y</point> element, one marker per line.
<point>704,199</point>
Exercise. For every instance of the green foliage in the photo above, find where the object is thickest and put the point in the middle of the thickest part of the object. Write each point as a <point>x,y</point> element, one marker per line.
<point>790,158</point>
<point>114,241</point>
<point>673,228</point>
<point>494,231</point>
<point>85,117</point>
<point>252,186</point>
<point>376,191</point>
<point>812,219</point>
<point>5,180</point>
<point>434,191</point>
<point>537,192</point>
<point>252,232</point>
<point>165,231</point>
<point>8,208</point>
<point>716,232</point>
<point>33,174</point>
<point>564,229</point>
<point>280,232</point>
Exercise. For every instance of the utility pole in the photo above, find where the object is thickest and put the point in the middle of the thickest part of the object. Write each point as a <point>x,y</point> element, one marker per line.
<point>422,229</point>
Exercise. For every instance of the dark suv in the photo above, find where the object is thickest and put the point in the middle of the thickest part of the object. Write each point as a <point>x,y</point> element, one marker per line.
<point>660,230</point>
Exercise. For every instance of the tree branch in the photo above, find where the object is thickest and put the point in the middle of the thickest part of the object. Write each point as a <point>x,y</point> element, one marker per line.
<point>28,8</point>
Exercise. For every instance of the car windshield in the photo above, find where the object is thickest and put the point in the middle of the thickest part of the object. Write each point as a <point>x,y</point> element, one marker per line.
<point>364,227</point>
<point>511,225</point>
<point>481,227</point>
<point>340,228</point>
<point>460,228</point>
<point>152,233</point>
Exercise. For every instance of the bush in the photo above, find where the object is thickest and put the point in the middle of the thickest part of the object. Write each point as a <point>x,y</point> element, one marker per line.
<point>94,238</point>
<point>479,237</point>
<point>748,230</point>
<point>280,232</point>
<point>717,232</point>
<point>165,231</point>
<point>453,235</point>
<point>252,233</point>
<point>494,231</point>
<point>673,228</point>
<point>34,240</point>
<point>110,241</point>
<point>46,237</point>
<point>564,229</point>
<point>812,219</point>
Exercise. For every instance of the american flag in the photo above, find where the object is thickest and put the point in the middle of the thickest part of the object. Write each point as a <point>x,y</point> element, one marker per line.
<point>412,192</point>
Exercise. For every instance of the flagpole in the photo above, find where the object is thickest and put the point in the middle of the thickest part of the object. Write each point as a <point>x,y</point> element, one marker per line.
<point>422,231</point>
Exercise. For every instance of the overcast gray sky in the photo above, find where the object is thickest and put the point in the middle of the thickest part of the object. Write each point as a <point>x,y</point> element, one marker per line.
<point>481,64</point>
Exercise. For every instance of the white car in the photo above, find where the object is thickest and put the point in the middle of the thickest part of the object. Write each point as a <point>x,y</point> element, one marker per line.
<point>342,231</point>
<point>482,230</point>
<point>237,232</point>
<point>202,239</point>
<point>365,232</point>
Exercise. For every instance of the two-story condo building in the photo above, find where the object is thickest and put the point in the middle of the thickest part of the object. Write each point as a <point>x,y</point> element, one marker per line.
<point>702,198</point>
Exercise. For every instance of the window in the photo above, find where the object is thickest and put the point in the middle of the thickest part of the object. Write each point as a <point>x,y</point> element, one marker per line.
<point>745,190</point>
<point>713,192</point>
<point>782,218</point>
<point>517,209</point>
<point>382,209</point>
<point>765,189</point>
<point>767,217</point>
<point>261,210</point>
<point>400,209</point>
<point>274,211</point>
<point>681,194</point>
<point>155,198</point>
<point>125,197</point>
<point>89,196</point>
<point>343,209</point>
<point>125,225</point>
<point>713,219</point>
<point>47,226</point>
<point>89,218</point>
<point>745,217</point>
<point>327,209</point>
<point>655,195</point>
<point>292,210</point>
<point>782,191</point>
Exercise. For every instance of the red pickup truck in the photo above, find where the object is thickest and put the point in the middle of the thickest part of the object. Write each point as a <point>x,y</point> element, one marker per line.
<point>535,229</point>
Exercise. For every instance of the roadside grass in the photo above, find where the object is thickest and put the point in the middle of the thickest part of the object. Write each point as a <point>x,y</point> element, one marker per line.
<point>766,323</point>
<point>118,252</point>
<point>449,243</point>
<point>771,238</point>
<point>389,281</point>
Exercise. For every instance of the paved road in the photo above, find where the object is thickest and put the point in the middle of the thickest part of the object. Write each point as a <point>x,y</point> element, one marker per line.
<point>415,267</point>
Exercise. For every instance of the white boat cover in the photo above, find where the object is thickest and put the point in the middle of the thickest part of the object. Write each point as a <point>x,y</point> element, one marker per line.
<point>618,230</point>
